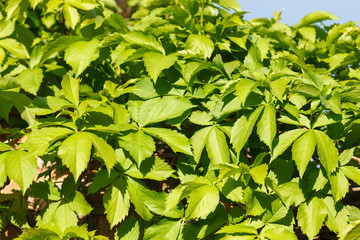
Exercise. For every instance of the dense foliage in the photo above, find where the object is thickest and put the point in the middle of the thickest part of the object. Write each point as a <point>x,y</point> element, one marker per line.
<point>187,121</point>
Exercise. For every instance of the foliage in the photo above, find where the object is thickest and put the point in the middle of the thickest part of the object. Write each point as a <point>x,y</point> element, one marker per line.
<point>189,121</point>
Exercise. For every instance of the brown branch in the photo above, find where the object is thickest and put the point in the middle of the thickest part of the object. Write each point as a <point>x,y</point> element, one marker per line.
<point>356,159</point>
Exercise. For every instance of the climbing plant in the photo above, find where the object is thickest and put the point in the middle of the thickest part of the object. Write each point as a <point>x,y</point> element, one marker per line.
<point>186,120</point>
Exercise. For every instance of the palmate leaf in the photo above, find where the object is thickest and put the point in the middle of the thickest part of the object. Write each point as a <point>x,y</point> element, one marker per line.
<point>80,54</point>
<point>177,141</point>
<point>202,201</point>
<point>303,150</point>
<point>160,109</point>
<point>155,63</point>
<point>116,202</point>
<point>311,216</point>
<point>21,167</point>
<point>243,128</point>
<point>75,152</point>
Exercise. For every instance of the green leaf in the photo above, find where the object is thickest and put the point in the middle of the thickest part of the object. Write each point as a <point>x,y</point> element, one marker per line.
<point>46,190</point>
<point>21,167</point>
<point>165,229</point>
<point>6,28</point>
<point>38,233</point>
<point>31,79</point>
<point>351,232</point>
<point>202,201</point>
<point>177,141</point>
<point>303,150</point>
<point>231,189</point>
<point>328,153</point>
<point>152,168</point>
<point>284,141</point>
<point>20,101</point>
<point>239,230</point>
<point>315,17</point>
<point>139,38</point>
<point>14,47</point>
<point>315,78</point>
<point>155,63</point>
<point>311,216</point>
<point>259,173</point>
<point>3,175</point>
<point>83,4</point>
<point>64,217</point>
<point>233,4</point>
<point>198,142</point>
<point>70,87</point>
<point>243,89</point>
<point>216,147</point>
<point>277,233</point>
<point>339,185</point>
<point>336,219</point>
<point>346,156</point>
<point>104,150</point>
<point>71,15</point>
<point>40,139</point>
<point>79,204</point>
<point>121,54</point>
<point>199,44</point>
<point>116,202</point>
<point>128,230</point>
<point>160,109</point>
<point>80,54</point>
<point>352,173</point>
<point>266,127</point>
<point>308,33</point>
<point>75,152</point>
<point>242,129</point>
<point>139,145</point>
<point>333,103</point>
<point>137,199</point>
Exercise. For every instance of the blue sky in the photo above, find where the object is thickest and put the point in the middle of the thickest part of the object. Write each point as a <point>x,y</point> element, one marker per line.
<point>294,10</point>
